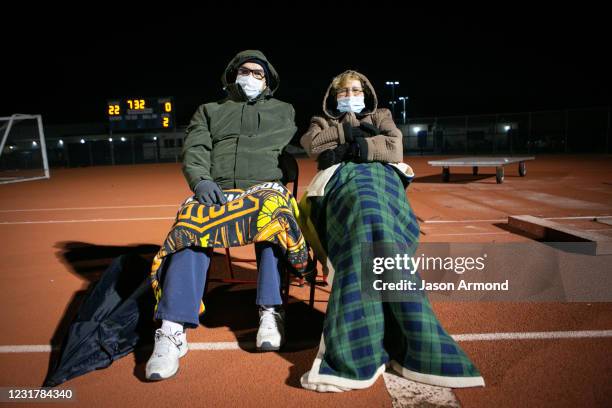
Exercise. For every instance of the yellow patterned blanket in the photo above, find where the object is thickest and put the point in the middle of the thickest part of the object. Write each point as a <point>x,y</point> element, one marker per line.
<point>264,212</point>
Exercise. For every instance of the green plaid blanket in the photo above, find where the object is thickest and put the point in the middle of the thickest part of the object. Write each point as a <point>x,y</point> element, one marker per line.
<point>366,203</point>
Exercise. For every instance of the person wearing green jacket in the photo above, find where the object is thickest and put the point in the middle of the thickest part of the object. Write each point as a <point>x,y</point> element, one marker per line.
<point>233,143</point>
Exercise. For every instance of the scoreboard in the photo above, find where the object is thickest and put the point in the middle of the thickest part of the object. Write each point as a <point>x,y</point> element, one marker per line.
<point>140,113</point>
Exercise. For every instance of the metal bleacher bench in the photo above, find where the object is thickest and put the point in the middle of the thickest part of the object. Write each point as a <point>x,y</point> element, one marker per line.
<point>476,162</point>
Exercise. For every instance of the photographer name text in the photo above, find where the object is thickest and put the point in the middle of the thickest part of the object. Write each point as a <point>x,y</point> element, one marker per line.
<point>406,285</point>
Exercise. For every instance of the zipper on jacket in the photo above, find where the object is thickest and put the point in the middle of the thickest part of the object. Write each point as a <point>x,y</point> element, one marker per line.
<point>236,148</point>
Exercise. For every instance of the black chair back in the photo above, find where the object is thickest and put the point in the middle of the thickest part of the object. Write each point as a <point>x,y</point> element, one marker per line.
<point>291,172</point>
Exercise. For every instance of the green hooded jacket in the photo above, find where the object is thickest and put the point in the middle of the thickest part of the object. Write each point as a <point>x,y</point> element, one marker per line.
<point>234,141</point>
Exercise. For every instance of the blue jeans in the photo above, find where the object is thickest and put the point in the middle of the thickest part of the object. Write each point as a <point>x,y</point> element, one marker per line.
<point>185,277</point>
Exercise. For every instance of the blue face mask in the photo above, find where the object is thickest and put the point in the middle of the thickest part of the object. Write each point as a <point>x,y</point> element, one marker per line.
<point>351,104</point>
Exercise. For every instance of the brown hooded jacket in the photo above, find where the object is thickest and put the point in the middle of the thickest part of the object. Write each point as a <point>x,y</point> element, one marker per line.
<point>327,132</point>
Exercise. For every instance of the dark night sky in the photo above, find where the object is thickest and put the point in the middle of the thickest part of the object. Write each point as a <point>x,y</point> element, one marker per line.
<point>65,67</point>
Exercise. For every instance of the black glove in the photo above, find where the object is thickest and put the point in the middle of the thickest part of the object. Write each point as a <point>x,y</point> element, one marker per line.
<point>355,139</point>
<point>369,129</point>
<point>354,133</point>
<point>333,156</point>
<point>351,133</point>
<point>357,133</point>
<point>207,192</point>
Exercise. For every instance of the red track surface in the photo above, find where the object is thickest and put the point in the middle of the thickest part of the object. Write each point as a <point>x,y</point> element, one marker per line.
<point>39,281</point>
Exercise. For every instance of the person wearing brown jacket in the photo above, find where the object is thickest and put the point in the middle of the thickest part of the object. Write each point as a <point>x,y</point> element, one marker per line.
<point>349,129</point>
<point>356,207</point>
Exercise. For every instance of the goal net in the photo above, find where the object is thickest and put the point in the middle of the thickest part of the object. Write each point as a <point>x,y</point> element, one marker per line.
<point>23,153</point>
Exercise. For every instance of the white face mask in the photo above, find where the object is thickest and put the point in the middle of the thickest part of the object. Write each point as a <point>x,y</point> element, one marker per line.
<point>251,86</point>
<point>351,104</point>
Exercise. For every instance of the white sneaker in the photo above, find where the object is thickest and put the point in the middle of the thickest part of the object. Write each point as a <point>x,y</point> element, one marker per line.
<point>164,361</point>
<point>271,333</point>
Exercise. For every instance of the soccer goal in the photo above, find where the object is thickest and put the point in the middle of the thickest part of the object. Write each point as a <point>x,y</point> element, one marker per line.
<point>23,153</point>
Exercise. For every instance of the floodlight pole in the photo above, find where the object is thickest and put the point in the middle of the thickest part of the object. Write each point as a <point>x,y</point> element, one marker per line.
<point>392,84</point>
<point>403,99</point>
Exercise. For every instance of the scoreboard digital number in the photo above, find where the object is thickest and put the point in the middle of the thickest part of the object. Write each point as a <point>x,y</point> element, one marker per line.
<point>140,114</point>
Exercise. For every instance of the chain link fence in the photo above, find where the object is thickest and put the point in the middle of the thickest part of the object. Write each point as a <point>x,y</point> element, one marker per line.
<point>564,131</point>
<point>103,149</point>
<point>561,131</point>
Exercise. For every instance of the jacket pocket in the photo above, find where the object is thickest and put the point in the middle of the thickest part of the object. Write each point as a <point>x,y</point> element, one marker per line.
<point>223,159</point>
<point>269,122</point>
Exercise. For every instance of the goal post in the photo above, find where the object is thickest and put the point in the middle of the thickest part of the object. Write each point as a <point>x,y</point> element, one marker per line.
<point>23,152</point>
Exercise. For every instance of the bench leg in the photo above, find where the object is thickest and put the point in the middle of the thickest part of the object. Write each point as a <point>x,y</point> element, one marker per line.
<point>499,174</point>
<point>445,174</point>
<point>522,169</point>
<point>475,170</point>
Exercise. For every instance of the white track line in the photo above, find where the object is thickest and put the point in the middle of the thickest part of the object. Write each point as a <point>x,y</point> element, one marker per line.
<point>222,345</point>
<point>39,348</point>
<point>533,335</point>
<point>433,234</point>
<point>91,220</point>
<point>233,345</point>
<point>91,208</point>
<point>586,217</point>
<point>461,221</point>
<point>171,218</point>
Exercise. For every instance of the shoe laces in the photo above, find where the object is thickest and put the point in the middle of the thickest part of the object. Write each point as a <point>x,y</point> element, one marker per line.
<point>175,338</point>
<point>268,319</point>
